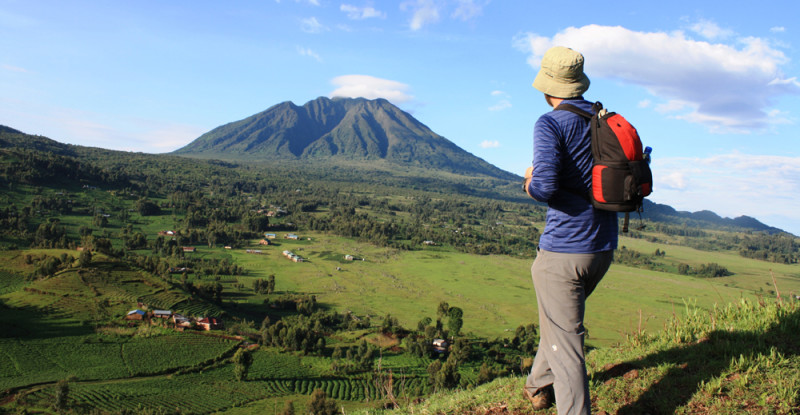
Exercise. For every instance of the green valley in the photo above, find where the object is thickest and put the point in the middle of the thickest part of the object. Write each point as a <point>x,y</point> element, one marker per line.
<point>386,260</point>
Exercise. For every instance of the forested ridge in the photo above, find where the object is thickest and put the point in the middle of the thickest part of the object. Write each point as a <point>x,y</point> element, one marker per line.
<point>216,202</point>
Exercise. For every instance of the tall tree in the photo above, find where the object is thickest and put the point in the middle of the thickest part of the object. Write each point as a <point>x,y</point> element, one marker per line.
<point>242,360</point>
<point>60,397</point>
<point>321,405</point>
<point>288,408</point>
<point>455,320</point>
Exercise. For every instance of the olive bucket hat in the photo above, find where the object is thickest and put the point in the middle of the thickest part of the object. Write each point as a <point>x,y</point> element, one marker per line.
<point>561,73</point>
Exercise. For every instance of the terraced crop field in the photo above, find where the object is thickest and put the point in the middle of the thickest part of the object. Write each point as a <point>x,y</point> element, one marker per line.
<point>100,357</point>
<point>207,392</point>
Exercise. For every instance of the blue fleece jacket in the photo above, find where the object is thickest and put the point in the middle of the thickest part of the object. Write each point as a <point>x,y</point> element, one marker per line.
<point>562,173</point>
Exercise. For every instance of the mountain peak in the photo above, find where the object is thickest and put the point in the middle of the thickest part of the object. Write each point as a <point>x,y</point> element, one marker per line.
<point>338,129</point>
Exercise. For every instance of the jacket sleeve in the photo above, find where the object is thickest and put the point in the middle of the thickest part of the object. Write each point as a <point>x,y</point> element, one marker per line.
<point>547,154</point>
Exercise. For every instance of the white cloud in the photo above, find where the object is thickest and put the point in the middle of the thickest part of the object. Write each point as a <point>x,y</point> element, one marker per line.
<point>645,103</point>
<point>490,144</point>
<point>731,184</point>
<point>502,105</point>
<point>675,180</point>
<point>710,30</point>
<point>370,87</point>
<point>727,87</point>
<point>498,93</point>
<point>360,13</point>
<point>423,12</point>
<point>312,25</point>
<point>308,52</point>
<point>777,29</point>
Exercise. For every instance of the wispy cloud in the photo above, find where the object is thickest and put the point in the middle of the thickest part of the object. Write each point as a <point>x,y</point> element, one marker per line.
<point>671,106</point>
<point>93,129</point>
<point>311,2</point>
<point>503,104</point>
<point>790,81</point>
<point>729,87</point>
<point>468,9</point>
<point>370,87</point>
<point>425,12</point>
<point>422,12</point>
<point>308,52</point>
<point>12,68</point>
<point>168,137</point>
<point>360,13</point>
<point>777,29</point>
<point>710,30</point>
<point>490,144</point>
<point>127,134</point>
<point>312,25</point>
<point>753,185</point>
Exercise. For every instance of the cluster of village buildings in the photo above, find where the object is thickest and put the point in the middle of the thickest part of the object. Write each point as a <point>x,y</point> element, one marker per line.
<point>180,321</point>
<point>292,256</point>
<point>265,242</point>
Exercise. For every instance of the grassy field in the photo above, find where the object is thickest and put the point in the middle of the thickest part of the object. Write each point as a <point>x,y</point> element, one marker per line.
<point>496,292</point>
<point>55,327</point>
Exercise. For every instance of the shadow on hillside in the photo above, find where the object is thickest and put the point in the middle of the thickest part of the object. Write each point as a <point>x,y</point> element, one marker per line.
<point>695,364</point>
<point>32,323</point>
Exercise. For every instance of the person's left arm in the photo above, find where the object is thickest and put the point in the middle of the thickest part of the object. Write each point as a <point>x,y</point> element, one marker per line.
<point>547,151</point>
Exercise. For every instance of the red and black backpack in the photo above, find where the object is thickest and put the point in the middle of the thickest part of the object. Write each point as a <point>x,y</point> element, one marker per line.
<point>621,176</point>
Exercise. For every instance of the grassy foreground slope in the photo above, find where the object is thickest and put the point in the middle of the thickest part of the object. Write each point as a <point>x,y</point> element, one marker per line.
<point>743,357</point>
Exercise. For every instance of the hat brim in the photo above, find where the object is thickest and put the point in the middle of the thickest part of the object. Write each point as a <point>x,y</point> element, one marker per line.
<point>546,84</point>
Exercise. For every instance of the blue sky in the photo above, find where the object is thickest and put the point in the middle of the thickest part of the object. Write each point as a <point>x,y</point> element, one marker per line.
<point>714,88</point>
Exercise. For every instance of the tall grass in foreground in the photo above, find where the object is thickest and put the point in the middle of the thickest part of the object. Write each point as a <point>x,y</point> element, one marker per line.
<point>743,357</point>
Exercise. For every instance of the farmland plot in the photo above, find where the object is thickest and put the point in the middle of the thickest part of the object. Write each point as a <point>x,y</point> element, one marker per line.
<point>164,353</point>
<point>97,358</point>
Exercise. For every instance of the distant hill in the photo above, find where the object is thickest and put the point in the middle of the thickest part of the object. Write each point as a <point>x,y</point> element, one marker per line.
<point>12,138</point>
<point>338,129</point>
<point>704,218</point>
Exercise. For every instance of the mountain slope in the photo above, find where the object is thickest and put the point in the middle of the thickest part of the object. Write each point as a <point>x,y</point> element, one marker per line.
<point>338,129</point>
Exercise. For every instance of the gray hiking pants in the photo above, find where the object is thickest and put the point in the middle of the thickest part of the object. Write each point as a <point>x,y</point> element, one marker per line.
<point>562,283</point>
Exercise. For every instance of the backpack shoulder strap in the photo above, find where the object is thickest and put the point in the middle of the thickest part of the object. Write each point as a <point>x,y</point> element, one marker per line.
<point>585,114</point>
<point>574,109</point>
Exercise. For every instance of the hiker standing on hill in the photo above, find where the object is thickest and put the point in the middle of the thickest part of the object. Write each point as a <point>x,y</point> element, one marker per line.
<point>578,242</point>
